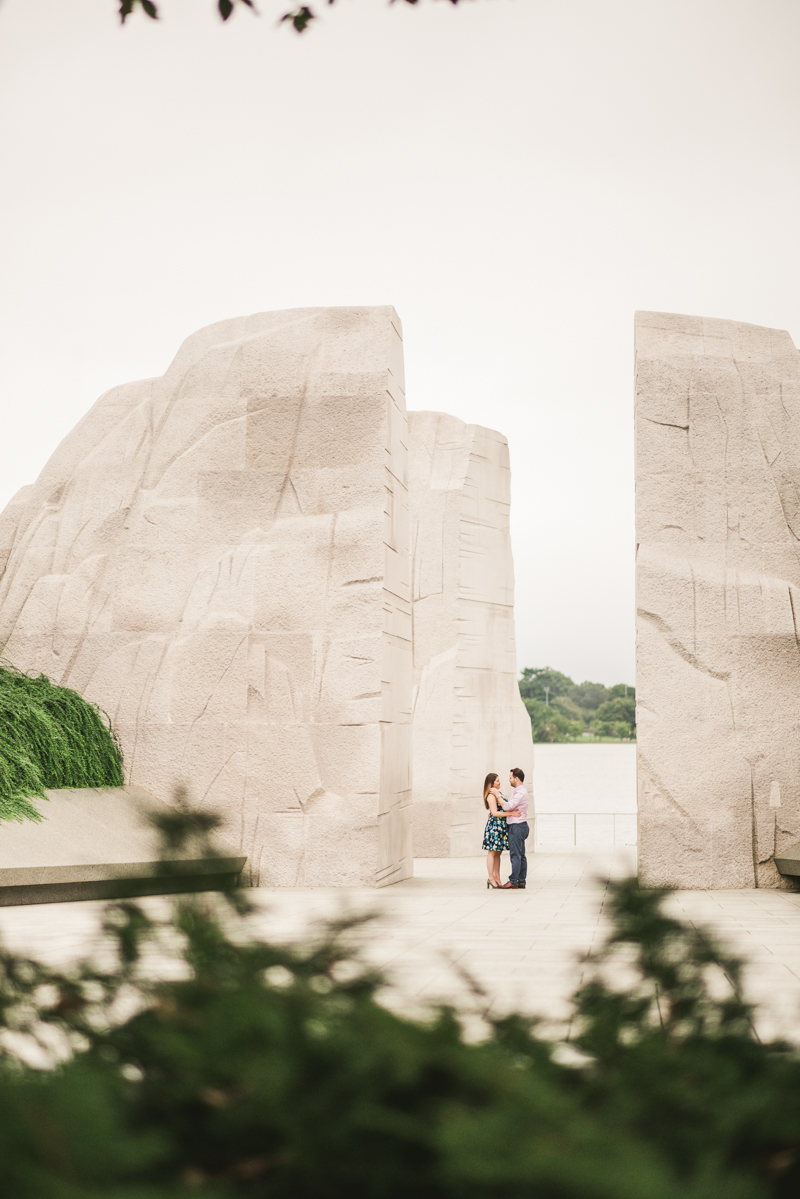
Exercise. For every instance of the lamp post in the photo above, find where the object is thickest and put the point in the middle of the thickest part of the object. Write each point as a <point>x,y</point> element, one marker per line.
<point>547,697</point>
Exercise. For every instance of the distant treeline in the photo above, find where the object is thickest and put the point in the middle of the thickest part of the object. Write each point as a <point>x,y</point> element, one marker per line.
<point>561,710</point>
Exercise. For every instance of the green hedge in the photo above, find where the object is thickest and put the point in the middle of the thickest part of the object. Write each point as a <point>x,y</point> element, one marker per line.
<point>249,1070</point>
<point>50,737</point>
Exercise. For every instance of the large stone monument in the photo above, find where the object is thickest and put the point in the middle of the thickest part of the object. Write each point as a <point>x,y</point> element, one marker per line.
<point>221,559</point>
<point>468,714</point>
<point>718,599</point>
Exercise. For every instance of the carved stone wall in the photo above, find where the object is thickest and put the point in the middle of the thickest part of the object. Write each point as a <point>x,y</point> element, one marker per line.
<point>220,559</point>
<point>468,715</point>
<point>718,597</point>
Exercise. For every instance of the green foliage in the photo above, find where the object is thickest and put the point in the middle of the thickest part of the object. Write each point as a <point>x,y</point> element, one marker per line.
<point>578,708</point>
<point>675,1058</point>
<point>619,709</point>
<point>50,737</point>
<point>568,708</point>
<point>534,680</point>
<point>589,695</point>
<point>248,1069</point>
<point>552,723</point>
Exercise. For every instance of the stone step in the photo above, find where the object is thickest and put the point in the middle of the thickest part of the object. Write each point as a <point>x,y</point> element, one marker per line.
<point>788,861</point>
<point>97,843</point>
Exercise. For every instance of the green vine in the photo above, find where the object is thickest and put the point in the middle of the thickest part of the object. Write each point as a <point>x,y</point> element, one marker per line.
<point>50,737</point>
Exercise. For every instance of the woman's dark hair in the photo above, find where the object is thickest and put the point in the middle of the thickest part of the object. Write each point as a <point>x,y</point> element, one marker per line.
<point>488,783</point>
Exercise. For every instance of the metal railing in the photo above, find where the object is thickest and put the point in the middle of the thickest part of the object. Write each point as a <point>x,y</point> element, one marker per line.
<point>621,833</point>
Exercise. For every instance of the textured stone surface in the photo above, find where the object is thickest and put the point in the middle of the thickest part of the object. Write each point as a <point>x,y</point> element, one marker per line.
<point>220,559</point>
<point>468,715</point>
<point>718,597</point>
<point>96,842</point>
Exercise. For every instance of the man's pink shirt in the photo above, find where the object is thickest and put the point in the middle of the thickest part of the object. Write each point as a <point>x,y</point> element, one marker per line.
<point>519,799</point>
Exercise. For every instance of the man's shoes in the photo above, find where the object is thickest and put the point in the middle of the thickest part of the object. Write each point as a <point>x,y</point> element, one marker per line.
<point>513,886</point>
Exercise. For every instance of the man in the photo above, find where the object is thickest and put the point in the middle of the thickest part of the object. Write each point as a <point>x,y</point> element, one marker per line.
<point>517,823</point>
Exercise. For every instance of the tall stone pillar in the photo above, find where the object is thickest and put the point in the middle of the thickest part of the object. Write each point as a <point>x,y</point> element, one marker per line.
<point>220,559</point>
<point>718,600</point>
<point>469,718</point>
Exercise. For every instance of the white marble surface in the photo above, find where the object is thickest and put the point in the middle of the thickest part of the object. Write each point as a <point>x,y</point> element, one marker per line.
<point>523,947</point>
<point>219,558</point>
<point>469,719</point>
<point>585,778</point>
<point>585,795</point>
<point>94,834</point>
<point>718,600</point>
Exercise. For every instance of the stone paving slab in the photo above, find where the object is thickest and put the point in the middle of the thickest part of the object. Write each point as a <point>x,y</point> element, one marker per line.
<point>523,948</point>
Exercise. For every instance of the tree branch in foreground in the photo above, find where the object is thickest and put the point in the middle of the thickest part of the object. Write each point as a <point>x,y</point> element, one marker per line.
<point>299,18</point>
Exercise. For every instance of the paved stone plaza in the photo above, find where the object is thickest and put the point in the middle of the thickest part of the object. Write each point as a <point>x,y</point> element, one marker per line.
<point>522,947</point>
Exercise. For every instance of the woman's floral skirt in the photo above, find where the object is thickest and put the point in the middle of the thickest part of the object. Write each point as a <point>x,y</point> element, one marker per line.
<point>496,835</point>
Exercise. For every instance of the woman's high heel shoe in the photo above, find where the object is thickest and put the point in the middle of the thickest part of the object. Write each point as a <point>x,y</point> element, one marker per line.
<point>490,886</point>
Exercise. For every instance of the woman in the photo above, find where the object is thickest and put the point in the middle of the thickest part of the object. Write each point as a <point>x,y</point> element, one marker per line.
<point>495,838</point>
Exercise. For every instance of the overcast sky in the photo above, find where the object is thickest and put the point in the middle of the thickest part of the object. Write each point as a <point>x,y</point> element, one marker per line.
<point>515,176</point>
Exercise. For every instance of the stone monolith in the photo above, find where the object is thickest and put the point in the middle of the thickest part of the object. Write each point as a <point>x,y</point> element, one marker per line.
<point>718,599</point>
<point>220,559</point>
<point>468,715</point>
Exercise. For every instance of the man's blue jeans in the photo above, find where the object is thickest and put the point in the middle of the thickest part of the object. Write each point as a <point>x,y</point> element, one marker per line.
<point>517,836</point>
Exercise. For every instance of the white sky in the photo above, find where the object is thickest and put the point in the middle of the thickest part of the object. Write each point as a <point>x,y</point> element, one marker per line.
<point>515,176</point>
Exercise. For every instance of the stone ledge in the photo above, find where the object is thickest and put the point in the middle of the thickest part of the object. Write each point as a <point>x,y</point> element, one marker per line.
<point>788,862</point>
<point>97,843</point>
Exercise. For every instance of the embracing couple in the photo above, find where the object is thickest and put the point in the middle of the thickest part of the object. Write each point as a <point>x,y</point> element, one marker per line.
<point>506,828</point>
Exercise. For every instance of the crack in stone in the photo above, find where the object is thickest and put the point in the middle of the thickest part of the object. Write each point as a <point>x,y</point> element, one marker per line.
<point>680,649</point>
<point>666,424</point>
